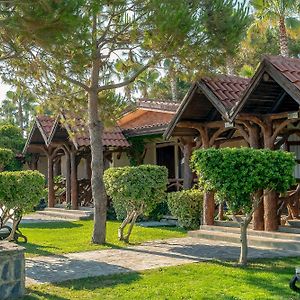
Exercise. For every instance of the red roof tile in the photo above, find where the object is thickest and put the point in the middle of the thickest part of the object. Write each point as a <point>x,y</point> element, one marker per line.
<point>112,137</point>
<point>228,89</point>
<point>46,124</point>
<point>289,67</point>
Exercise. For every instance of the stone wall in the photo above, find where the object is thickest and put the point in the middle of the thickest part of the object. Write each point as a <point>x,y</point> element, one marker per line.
<point>12,271</point>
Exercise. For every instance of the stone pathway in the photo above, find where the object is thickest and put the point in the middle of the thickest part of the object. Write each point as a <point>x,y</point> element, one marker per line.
<point>171,252</point>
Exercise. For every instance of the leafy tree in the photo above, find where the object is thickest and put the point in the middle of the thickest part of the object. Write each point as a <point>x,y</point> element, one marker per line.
<point>6,155</point>
<point>18,108</point>
<point>239,174</point>
<point>278,14</point>
<point>135,190</point>
<point>77,45</point>
<point>11,138</point>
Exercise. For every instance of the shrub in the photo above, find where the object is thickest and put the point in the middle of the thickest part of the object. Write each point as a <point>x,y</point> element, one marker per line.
<point>135,191</point>
<point>239,174</point>
<point>187,207</point>
<point>6,156</point>
<point>19,192</point>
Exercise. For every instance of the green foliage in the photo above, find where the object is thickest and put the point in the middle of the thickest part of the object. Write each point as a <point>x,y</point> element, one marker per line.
<point>133,187</point>
<point>21,190</point>
<point>11,138</point>
<point>137,149</point>
<point>237,173</point>
<point>6,155</point>
<point>187,207</point>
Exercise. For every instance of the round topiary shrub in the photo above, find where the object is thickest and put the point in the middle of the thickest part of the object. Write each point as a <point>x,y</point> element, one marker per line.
<point>135,191</point>
<point>19,192</point>
<point>187,207</point>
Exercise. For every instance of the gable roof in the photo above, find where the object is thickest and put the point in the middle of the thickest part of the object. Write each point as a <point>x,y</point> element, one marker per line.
<point>280,77</point>
<point>207,100</point>
<point>79,134</point>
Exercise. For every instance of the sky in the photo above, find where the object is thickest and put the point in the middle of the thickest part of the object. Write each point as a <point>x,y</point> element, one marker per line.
<point>3,89</point>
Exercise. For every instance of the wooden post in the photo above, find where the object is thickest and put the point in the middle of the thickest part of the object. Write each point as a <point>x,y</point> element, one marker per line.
<point>187,149</point>
<point>208,208</point>
<point>51,193</point>
<point>88,161</point>
<point>74,183</point>
<point>68,177</point>
<point>208,197</point>
<point>270,203</point>
<point>254,142</point>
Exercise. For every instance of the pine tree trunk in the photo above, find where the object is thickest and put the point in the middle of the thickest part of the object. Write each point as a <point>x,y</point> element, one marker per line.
<point>283,40</point>
<point>98,189</point>
<point>20,116</point>
<point>173,83</point>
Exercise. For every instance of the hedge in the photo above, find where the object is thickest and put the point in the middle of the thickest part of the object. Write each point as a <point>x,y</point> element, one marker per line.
<point>187,207</point>
<point>6,156</point>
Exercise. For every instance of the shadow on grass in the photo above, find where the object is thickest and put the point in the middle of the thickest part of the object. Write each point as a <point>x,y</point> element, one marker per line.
<point>51,225</point>
<point>34,295</point>
<point>39,249</point>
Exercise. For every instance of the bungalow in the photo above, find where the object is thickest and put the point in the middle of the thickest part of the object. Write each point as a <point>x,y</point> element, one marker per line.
<point>261,113</point>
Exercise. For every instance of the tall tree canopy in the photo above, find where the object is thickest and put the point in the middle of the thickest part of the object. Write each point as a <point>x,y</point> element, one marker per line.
<point>74,47</point>
<point>280,15</point>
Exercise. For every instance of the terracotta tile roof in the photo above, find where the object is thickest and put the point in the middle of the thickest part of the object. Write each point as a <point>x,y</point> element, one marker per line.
<point>112,137</point>
<point>289,67</point>
<point>163,105</point>
<point>228,89</point>
<point>46,124</point>
<point>157,128</point>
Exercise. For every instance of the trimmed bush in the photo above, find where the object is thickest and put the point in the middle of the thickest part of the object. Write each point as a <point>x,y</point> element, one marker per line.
<point>19,192</point>
<point>187,207</point>
<point>135,191</point>
<point>6,156</point>
<point>240,174</point>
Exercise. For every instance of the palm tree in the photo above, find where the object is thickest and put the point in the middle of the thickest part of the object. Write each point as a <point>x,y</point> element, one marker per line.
<point>279,14</point>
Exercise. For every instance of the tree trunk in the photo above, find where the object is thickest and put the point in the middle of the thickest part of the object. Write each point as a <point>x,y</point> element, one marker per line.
<point>125,222</point>
<point>173,83</point>
<point>244,244</point>
<point>20,116</point>
<point>221,212</point>
<point>98,189</point>
<point>283,40</point>
<point>208,208</point>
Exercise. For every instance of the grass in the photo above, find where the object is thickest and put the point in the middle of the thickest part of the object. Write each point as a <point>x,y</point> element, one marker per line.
<point>65,237</point>
<point>268,279</point>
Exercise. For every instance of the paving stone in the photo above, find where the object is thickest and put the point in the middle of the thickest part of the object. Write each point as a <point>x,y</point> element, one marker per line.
<point>156,254</point>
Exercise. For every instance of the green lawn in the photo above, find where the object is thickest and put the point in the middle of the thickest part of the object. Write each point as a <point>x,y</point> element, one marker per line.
<point>261,280</point>
<point>64,237</point>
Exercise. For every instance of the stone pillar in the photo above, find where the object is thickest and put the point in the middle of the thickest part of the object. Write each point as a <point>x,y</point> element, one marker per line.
<point>12,271</point>
<point>51,193</point>
<point>74,183</point>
